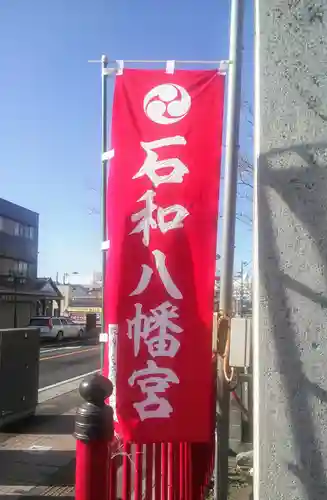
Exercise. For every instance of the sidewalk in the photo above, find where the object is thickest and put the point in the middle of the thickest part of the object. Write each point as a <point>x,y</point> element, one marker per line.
<point>240,485</point>
<point>37,458</point>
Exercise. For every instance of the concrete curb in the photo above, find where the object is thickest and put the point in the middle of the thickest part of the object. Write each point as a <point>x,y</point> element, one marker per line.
<point>60,388</point>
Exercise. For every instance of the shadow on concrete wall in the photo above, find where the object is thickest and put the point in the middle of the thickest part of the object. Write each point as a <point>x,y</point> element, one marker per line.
<point>307,200</point>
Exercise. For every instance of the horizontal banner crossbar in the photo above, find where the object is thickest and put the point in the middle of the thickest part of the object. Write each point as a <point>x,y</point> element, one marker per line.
<point>170,65</point>
<point>163,61</point>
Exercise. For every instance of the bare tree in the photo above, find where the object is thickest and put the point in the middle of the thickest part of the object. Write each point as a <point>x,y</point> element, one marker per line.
<point>245,177</point>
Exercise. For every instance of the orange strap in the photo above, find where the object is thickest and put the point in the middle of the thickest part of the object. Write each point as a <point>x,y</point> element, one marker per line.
<point>223,337</point>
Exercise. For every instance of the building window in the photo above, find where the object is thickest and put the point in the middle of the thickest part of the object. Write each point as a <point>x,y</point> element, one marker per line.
<point>30,232</point>
<point>18,229</point>
<point>22,268</point>
<point>14,267</point>
<point>15,228</point>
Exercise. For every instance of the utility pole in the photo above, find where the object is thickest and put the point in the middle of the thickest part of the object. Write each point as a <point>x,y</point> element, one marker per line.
<point>228,235</point>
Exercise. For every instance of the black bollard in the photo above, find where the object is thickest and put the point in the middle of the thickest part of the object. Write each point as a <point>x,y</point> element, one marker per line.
<point>94,431</point>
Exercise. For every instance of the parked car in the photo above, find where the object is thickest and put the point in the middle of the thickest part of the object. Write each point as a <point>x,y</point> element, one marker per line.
<point>52,327</point>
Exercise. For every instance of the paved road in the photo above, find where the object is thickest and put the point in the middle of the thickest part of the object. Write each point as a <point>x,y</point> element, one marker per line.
<point>67,360</point>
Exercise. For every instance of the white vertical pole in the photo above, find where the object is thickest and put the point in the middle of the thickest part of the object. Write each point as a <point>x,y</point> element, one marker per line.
<point>228,234</point>
<point>104,65</point>
<point>255,286</point>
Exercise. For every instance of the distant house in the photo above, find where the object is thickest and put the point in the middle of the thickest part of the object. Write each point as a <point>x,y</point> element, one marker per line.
<point>80,300</point>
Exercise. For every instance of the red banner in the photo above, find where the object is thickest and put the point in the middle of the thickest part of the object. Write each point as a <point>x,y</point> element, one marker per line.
<point>162,224</point>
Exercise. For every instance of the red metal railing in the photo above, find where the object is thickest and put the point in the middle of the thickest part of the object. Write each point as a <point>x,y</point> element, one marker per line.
<point>162,472</point>
<point>158,471</point>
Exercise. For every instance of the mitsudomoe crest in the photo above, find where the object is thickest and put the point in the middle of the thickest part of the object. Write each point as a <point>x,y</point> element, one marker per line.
<point>167,103</point>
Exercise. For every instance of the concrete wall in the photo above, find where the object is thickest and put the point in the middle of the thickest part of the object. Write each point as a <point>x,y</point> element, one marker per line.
<point>291,295</point>
<point>66,292</point>
<point>24,311</point>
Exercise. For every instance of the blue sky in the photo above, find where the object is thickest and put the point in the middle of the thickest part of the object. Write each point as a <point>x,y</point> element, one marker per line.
<point>50,104</point>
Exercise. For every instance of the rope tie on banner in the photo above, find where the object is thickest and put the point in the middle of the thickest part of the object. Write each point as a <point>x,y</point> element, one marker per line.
<point>105,245</point>
<point>108,155</point>
<point>223,347</point>
<point>170,67</point>
<point>120,67</point>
